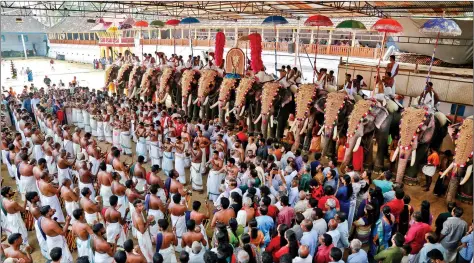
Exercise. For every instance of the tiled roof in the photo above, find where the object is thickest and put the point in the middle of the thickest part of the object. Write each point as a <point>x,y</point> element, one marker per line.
<point>29,25</point>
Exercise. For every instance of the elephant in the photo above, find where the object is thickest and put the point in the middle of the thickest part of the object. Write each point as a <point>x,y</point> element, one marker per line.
<point>166,80</point>
<point>149,81</point>
<point>227,94</point>
<point>461,167</point>
<point>208,88</point>
<point>370,119</point>
<point>188,89</point>
<point>246,103</point>
<point>336,107</point>
<point>111,73</point>
<point>135,79</point>
<point>123,76</point>
<point>276,105</point>
<point>419,130</point>
<point>305,113</point>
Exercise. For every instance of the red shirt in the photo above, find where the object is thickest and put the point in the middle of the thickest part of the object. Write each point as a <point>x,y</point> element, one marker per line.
<point>396,206</point>
<point>286,215</point>
<point>273,246</point>
<point>322,202</point>
<point>272,212</point>
<point>317,193</point>
<point>242,136</point>
<point>322,256</point>
<point>415,236</point>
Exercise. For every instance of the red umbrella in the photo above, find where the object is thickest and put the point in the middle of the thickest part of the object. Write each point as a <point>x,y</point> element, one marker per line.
<point>141,23</point>
<point>173,22</point>
<point>317,21</point>
<point>385,25</point>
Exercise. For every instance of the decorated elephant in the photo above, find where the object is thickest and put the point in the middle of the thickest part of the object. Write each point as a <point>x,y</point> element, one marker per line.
<point>208,89</point>
<point>460,183</point>
<point>276,105</point>
<point>227,94</point>
<point>189,83</point>
<point>305,113</point>
<point>166,80</point>
<point>111,73</point>
<point>123,76</point>
<point>336,107</point>
<point>149,82</point>
<point>247,104</point>
<point>135,79</point>
<point>368,120</point>
<point>419,131</point>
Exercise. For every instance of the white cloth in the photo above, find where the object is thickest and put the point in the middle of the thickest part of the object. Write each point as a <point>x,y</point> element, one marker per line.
<point>114,229</point>
<point>84,248</point>
<point>103,258</point>
<point>80,119</point>
<point>167,162</point>
<point>27,184</point>
<point>126,142</point>
<point>70,207</point>
<point>179,166</point>
<point>144,241</point>
<point>86,120</point>
<point>242,218</point>
<point>156,153</point>
<point>140,184</point>
<point>91,218</point>
<point>141,148</point>
<point>90,186</point>
<point>179,223</point>
<point>203,160</point>
<point>213,182</point>
<point>108,131</point>
<point>122,204</point>
<point>93,124</point>
<point>168,254</point>
<point>38,152</point>
<point>196,176</point>
<point>63,174</point>
<point>15,224</point>
<point>101,131</point>
<point>60,241</point>
<point>53,202</point>
<point>69,147</point>
<point>95,165</point>
<point>77,148</point>
<point>157,214</point>
<point>115,138</point>
<point>41,241</point>
<point>51,164</point>
<point>105,193</point>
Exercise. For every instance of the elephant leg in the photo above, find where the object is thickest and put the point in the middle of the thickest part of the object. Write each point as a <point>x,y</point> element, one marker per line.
<point>309,131</point>
<point>452,188</point>
<point>296,145</point>
<point>265,124</point>
<point>411,172</point>
<point>368,143</point>
<point>222,115</point>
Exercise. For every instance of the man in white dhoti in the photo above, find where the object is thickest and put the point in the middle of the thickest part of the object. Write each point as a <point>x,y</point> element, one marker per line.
<point>428,97</point>
<point>115,222</point>
<point>203,145</point>
<point>196,162</point>
<point>34,201</point>
<point>54,233</point>
<point>214,178</point>
<point>86,118</point>
<point>166,242</point>
<point>70,198</point>
<point>76,141</point>
<point>93,124</point>
<point>126,142</point>
<point>14,252</point>
<point>156,154</point>
<point>104,251</point>
<point>80,118</point>
<point>155,207</point>
<point>49,196</point>
<point>143,233</point>
<point>392,67</point>
<point>11,212</point>
<point>179,159</point>
<point>141,147</point>
<point>64,167</point>
<point>178,218</point>
<point>82,231</point>
<point>168,157</point>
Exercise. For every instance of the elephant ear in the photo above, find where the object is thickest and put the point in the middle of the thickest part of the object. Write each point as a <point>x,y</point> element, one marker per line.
<point>380,115</point>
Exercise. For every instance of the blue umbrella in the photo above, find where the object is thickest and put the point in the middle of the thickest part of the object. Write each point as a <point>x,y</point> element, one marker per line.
<point>188,21</point>
<point>275,20</point>
<point>439,26</point>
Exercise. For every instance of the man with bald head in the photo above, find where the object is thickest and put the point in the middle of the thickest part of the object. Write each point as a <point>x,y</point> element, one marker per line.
<point>333,231</point>
<point>310,236</point>
<point>304,255</point>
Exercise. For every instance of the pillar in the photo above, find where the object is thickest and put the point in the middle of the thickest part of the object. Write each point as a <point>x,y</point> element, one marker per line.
<point>182,33</point>
<point>353,38</point>
<point>24,47</point>
<point>297,44</point>
<point>312,37</point>
<point>209,34</point>
<point>329,42</point>
<point>277,37</point>
<point>236,36</point>
<point>263,34</point>
<point>159,33</point>
<point>195,33</point>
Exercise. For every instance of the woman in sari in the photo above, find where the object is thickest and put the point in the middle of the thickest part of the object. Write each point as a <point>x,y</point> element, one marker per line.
<point>344,193</point>
<point>405,215</point>
<point>363,226</point>
<point>382,232</point>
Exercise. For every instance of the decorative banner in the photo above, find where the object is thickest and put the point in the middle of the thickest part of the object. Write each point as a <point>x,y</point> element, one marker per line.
<point>256,52</point>
<point>219,50</point>
<point>235,61</point>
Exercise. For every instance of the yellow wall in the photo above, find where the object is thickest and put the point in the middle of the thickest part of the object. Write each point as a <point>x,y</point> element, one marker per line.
<point>108,52</point>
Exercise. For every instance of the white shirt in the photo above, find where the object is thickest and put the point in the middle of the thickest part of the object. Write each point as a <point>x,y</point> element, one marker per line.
<point>301,206</point>
<point>197,258</point>
<point>320,226</point>
<point>335,236</point>
<point>293,196</point>
<point>308,259</point>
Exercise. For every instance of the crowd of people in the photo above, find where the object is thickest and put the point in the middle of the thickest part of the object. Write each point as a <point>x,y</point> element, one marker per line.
<point>263,202</point>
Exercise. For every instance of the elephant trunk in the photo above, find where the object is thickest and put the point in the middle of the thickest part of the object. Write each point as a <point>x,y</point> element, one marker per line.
<point>452,189</point>
<point>402,165</point>
<point>325,145</point>
<point>265,119</point>
<point>222,115</point>
<point>351,145</point>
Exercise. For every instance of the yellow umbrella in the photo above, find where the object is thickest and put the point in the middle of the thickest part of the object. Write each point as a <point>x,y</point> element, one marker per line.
<point>113,30</point>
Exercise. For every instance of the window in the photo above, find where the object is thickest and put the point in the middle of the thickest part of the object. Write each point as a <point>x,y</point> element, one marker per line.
<point>460,112</point>
<point>25,37</point>
<point>3,38</point>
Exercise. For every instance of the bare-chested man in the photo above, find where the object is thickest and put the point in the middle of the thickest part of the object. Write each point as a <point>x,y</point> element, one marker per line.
<point>203,145</point>
<point>104,181</point>
<point>134,254</point>
<point>39,168</point>
<point>27,180</point>
<point>139,173</point>
<point>84,143</point>
<point>115,222</point>
<point>177,211</point>
<point>83,233</point>
<point>70,198</point>
<point>33,198</point>
<point>54,233</point>
<point>199,217</point>
<point>13,217</point>
<point>76,141</point>
<point>109,159</point>
<point>120,167</point>
<point>142,225</point>
<point>64,166</point>
<point>166,241</point>
<point>38,140</point>
<point>223,215</point>
<point>104,251</point>
<point>95,156</point>
<point>191,235</point>
<point>238,152</point>
<point>15,240</point>
<point>86,178</point>
<point>196,163</point>
<point>119,190</point>
<point>173,186</point>
<point>91,209</point>
<point>214,178</point>
<point>48,155</point>
<point>49,195</point>
<point>155,207</point>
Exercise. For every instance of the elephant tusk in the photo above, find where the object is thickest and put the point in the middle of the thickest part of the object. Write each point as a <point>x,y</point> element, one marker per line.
<point>321,130</point>
<point>450,167</point>
<point>258,119</point>
<point>357,145</point>
<point>271,121</point>
<point>215,105</point>
<point>305,126</point>
<point>190,99</point>
<point>413,157</point>
<point>232,110</point>
<point>226,106</point>
<point>334,135</point>
<point>248,121</point>
<point>395,154</point>
<point>195,101</point>
<point>467,175</point>
<point>242,111</point>
<point>206,100</point>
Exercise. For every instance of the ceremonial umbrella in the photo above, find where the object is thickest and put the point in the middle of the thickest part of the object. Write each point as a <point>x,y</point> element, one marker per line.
<point>157,24</point>
<point>125,26</point>
<point>439,26</point>
<point>188,21</point>
<point>317,21</point>
<point>141,24</point>
<point>173,22</point>
<point>350,25</point>
<point>112,30</point>
<point>129,20</point>
<point>275,20</point>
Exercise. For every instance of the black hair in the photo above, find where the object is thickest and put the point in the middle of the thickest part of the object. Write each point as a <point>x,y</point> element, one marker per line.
<point>13,237</point>
<point>44,210</point>
<point>97,227</point>
<point>56,253</point>
<point>225,202</point>
<point>425,211</point>
<point>399,239</point>
<point>347,178</point>
<point>327,239</point>
<point>113,200</point>
<point>30,195</point>
<point>435,254</point>
<point>157,258</point>
<point>83,259</point>
<point>336,254</point>
<point>120,256</point>
<point>196,205</point>
<point>190,224</point>
<point>163,223</point>
<point>128,245</point>
<point>77,213</point>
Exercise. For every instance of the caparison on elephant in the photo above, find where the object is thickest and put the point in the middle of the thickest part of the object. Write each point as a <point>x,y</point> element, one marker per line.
<point>207,94</point>
<point>460,170</point>
<point>244,104</point>
<point>419,131</point>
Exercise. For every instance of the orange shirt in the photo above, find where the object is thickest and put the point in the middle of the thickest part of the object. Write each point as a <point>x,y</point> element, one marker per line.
<point>434,159</point>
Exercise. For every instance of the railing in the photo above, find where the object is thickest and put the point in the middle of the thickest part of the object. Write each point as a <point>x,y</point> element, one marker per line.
<point>118,40</point>
<point>73,42</point>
